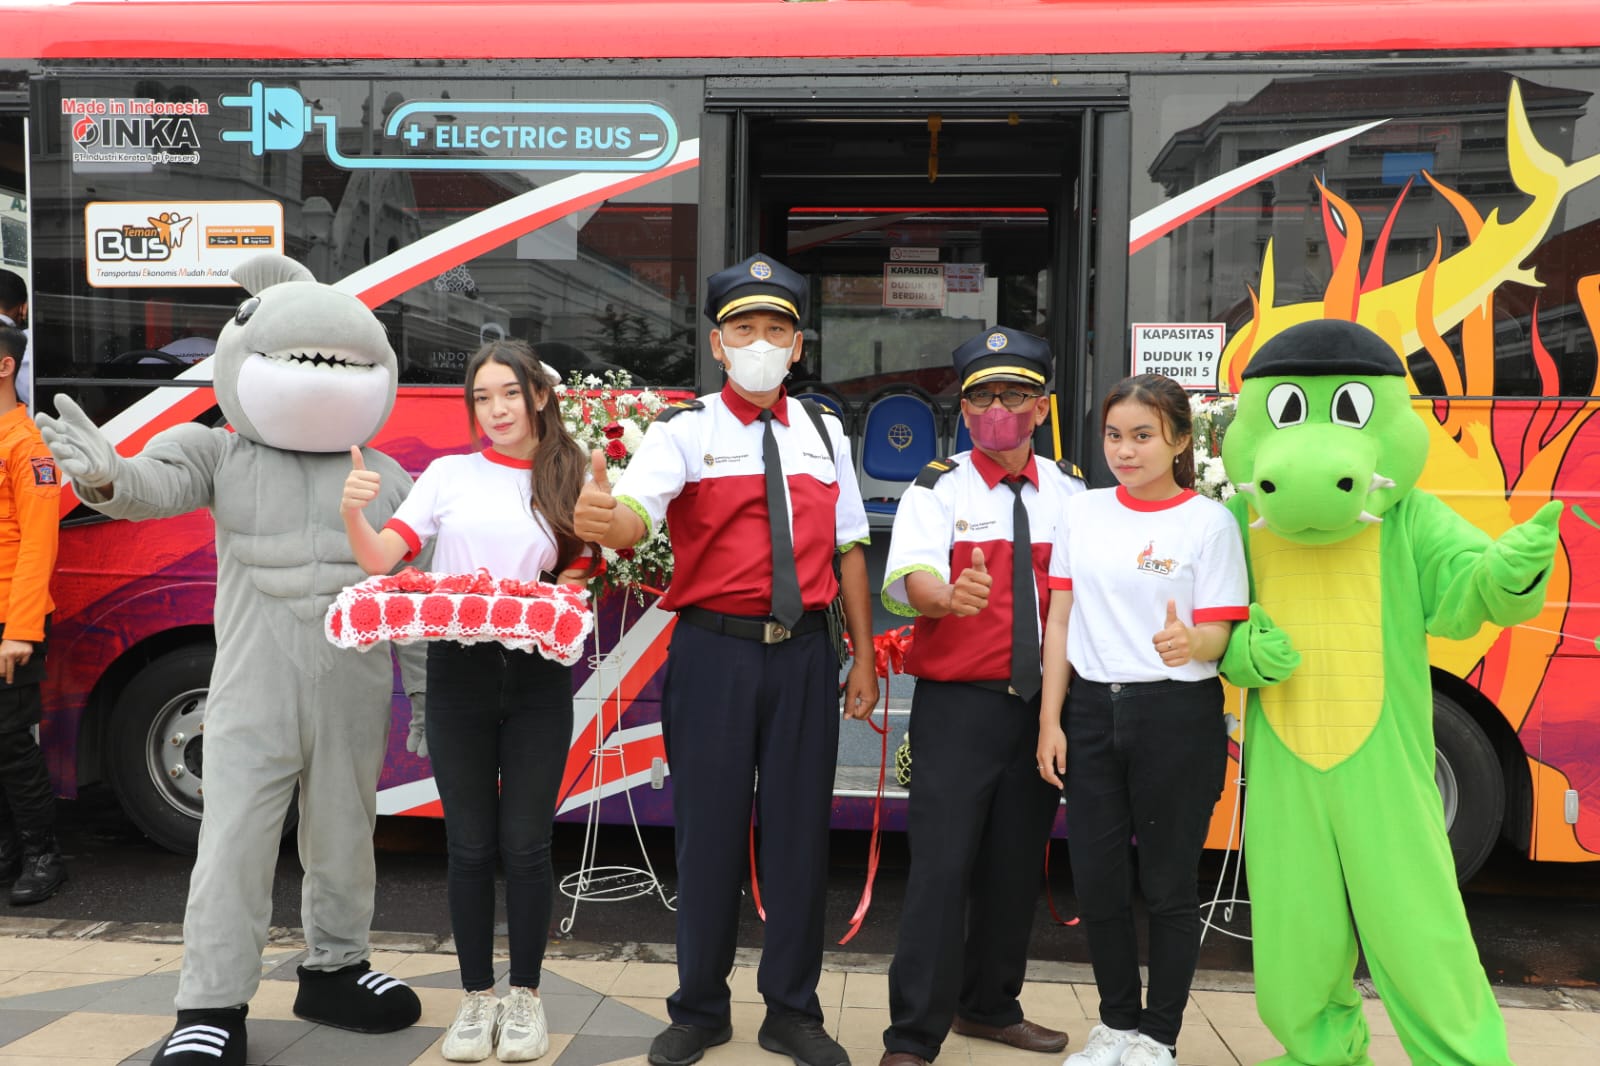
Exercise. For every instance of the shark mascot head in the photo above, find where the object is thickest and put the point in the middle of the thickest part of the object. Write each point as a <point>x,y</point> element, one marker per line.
<point>302,366</point>
<point>1324,440</point>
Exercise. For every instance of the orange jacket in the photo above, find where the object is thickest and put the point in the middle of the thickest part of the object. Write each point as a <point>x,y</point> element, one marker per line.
<point>30,524</point>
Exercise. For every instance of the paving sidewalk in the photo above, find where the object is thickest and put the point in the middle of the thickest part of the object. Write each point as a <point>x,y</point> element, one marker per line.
<point>95,994</point>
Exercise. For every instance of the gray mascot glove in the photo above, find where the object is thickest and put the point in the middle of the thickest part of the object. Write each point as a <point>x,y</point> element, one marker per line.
<point>417,738</point>
<point>78,445</point>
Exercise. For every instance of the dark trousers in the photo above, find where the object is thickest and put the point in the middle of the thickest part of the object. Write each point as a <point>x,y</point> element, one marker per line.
<point>735,712</point>
<point>499,729</point>
<point>1143,760</point>
<point>978,820</point>
<point>27,804</point>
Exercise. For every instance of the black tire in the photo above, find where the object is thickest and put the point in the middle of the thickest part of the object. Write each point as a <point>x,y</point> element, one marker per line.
<point>155,755</point>
<point>1471,787</point>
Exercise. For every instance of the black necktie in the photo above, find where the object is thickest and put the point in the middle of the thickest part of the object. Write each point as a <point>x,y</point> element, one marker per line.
<point>786,605</point>
<point>1024,612</point>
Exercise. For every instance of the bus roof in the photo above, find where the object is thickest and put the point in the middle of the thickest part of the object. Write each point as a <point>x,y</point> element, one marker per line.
<point>756,29</point>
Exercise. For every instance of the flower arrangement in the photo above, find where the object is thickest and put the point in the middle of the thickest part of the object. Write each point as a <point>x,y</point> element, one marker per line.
<point>612,415</point>
<point>1211,415</point>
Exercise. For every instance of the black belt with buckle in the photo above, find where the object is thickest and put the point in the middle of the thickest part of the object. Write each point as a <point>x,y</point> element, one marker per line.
<point>1002,687</point>
<point>764,630</point>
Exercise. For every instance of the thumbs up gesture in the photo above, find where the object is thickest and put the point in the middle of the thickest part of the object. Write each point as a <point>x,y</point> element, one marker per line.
<point>1173,639</point>
<point>596,507</point>
<point>362,486</point>
<point>970,593</point>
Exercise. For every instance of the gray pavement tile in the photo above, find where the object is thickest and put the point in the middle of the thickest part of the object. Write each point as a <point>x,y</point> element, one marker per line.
<point>323,1045</point>
<point>553,984</point>
<point>77,997</point>
<point>16,1024</point>
<point>611,1018</point>
<point>569,1014</point>
<point>151,994</point>
<point>268,1038</point>
<point>599,1050</point>
<point>282,968</point>
<point>448,979</point>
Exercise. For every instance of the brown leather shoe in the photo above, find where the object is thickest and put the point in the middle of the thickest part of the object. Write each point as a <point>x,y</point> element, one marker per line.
<point>901,1058</point>
<point>1026,1035</point>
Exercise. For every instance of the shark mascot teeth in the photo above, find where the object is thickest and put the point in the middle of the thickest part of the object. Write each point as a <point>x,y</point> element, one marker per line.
<point>302,372</point>
<point>1352,568</point>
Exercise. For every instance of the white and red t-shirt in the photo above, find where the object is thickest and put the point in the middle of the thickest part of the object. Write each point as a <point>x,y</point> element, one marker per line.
<point>702,471</point>
<point>478,510</point>
<point>1124,558</point>
<point>935,529</point>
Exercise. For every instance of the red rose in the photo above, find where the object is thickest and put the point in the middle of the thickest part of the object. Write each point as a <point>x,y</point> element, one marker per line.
<point>625,553</point>
<point>505,614</point>
<point>541,616</point>
<point>613,431</point>
<point>399,612</point>
<point>568,627</point>
<point>436,614</point>
<point>615,449</point>
<point>471,614</point>
<point>364,614</point>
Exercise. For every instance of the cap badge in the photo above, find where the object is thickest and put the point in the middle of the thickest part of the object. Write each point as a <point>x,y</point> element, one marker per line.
<point>761,270</point>
<point>995,341</point>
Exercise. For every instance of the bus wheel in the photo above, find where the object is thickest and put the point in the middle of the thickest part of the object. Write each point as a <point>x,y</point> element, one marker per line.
<point>1467,772</point>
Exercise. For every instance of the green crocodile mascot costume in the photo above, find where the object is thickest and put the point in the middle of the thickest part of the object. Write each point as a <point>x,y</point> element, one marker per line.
<point>302,373</point>
<point>1352,568</point>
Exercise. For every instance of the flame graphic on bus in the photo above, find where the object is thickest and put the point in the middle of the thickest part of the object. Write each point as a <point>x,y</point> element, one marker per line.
<point>1496,462</point>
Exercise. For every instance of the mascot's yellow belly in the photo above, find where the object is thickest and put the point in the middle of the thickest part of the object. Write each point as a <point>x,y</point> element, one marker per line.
<point>1326,598</point>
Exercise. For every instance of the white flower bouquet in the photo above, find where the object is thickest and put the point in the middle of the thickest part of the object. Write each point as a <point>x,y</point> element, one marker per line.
<point>611,415</point>
<point>1212,415</point>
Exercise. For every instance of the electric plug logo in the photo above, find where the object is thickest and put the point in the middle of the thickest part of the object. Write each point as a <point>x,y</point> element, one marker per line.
<point>471,134</point>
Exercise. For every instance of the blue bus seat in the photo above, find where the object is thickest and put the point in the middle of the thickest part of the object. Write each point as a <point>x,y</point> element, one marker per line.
<point>899,436</point>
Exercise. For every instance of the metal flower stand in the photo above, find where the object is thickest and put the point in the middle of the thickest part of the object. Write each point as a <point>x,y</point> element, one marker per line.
<point>593,881</point>
<point>1233,857</point>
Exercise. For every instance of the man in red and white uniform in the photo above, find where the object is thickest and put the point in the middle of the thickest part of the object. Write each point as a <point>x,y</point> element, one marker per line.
<point>760,494</point>
<point>973,569</point>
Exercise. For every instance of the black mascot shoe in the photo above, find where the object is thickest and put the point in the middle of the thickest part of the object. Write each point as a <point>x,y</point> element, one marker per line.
<point>357,998</point>
<point>214,1037</point>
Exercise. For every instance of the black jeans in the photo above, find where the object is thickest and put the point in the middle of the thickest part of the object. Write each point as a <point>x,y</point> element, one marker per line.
<point>1144,761</point>
<point>27,803</point>
<point>499,728</point>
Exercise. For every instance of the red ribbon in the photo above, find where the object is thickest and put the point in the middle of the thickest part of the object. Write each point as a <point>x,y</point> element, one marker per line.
<point>888,656</point>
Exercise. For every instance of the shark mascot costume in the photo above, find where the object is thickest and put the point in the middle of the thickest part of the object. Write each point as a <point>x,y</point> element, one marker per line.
<point>1352,568</point>
<point>302,372</point>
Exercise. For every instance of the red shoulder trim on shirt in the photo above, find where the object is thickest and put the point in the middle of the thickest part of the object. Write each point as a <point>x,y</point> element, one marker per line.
<point>1221,614</point>
<point>1128,500</point>
<point>1061,584</point>
<point>407,534</point>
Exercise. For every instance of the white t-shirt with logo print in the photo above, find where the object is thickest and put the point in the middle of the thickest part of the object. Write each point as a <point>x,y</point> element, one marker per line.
<point>1124,558</point>
<point>477,509</point>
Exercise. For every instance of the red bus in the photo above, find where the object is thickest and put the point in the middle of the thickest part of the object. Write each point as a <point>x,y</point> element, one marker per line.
<point>1162,184</point>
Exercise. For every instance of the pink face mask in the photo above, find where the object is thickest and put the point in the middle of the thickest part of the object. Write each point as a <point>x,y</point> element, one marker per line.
<point>999,430</point>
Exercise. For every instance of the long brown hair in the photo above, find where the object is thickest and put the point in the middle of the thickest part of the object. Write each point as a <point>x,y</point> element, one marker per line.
<point>560,463</point>
<point>1167,398</point>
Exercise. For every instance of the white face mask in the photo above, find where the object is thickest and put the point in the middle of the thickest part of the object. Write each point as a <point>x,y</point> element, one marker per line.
<point>759,367</point>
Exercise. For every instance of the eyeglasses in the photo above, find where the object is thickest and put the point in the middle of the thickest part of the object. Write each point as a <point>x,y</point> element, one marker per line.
<point>1014,399</point>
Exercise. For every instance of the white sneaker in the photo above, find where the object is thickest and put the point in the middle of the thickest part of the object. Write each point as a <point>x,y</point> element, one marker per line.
<point>1103,1048</point>
<point>520,1033</point>
<point>470,1037</point>
<point>1143,1051</point>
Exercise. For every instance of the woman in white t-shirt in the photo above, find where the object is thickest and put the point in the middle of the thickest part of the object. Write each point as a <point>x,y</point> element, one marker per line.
<point>499,720</point>
<point>1146,582</point>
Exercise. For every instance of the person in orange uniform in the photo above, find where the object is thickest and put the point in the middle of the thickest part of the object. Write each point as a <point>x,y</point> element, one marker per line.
<point>30,519</point>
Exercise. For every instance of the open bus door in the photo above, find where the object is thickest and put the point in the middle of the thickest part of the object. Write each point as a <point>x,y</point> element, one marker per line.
<point>917,228</point>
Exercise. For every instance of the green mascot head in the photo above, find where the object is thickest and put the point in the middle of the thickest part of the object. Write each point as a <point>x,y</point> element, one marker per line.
<point>1324,440</point>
